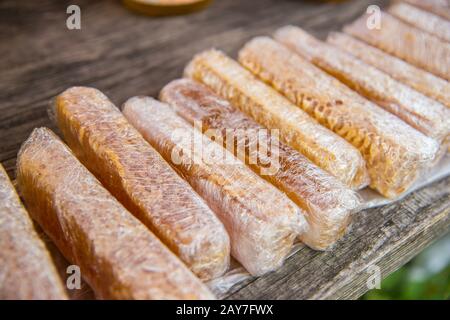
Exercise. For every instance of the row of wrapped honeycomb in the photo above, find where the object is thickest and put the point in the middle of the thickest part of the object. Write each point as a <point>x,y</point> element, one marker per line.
<point>150,205</point>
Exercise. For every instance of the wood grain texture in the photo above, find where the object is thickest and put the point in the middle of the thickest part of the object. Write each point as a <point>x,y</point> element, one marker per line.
<point>125,54</point>
<point>387,237</point>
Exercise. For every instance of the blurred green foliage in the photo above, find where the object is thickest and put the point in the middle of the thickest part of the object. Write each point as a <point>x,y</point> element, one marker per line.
<point>399,286</point>
<point>426,277</point>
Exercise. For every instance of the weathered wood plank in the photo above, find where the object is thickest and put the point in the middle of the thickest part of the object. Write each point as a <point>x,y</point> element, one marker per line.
<point>387,237</point>
<point>124,54</point>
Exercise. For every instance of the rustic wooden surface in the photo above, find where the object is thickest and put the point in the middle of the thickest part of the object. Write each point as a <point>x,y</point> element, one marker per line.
<point>124,54</point>
<point>385,237</point>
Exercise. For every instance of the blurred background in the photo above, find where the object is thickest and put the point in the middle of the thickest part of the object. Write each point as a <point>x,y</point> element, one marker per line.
<point>425,277</point>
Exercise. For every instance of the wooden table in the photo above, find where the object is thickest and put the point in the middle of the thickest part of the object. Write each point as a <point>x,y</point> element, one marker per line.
<point>124,54</point>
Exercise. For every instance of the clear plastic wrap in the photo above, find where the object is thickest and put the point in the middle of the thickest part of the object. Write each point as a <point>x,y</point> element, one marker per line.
<point>27,271</point>
<point>117,255</point>
<point>139,177</point>
<point>405,42</point>
<point>371,199</point>
<point>421,19</point>
<point>233,82</point>
<point>439,7</point>
<point>395,153</point>
<point>327,201</point>
<point>262,222</point>
<point>425,114</point>
<point>418,79</point>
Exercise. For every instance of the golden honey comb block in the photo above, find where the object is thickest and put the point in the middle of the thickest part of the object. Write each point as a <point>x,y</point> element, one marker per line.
<point>395,153</point>
<point>117,255</point>
<point>405,42</point>
<point>233,82</point>
<point>262,222</point>
<point>439,7</point>
<point>422,19</point>
<point>327,201</point>
<point>418,79</point>
<point>422,113</point>
<point>139,177</point>
<point>26,267</point>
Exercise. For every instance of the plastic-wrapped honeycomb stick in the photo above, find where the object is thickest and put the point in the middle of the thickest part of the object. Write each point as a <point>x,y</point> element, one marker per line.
<point>438,7</point>
<point>327,201</point>
<point>26,268</point>
<point>425,114</point>
<point>138,176</point>
<point>422,19</point>
<point>395,153</point>
<point>405,42</point>
<point>262,222</point>
<point>117,255</point>
<point>233,82</point>
<point>418,79</point>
